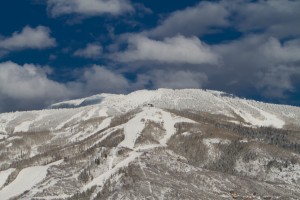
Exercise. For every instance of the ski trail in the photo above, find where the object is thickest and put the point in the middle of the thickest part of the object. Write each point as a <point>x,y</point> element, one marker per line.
<point>24,126</point>
<point>169,127</point>
<point>111,162</point>
<point>60,126</point>
<point>270,119</point>
<point>149,183</point>
<point>100,180</point>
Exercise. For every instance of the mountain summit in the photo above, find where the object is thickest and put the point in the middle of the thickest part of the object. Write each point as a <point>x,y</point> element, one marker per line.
<point>162,144</point>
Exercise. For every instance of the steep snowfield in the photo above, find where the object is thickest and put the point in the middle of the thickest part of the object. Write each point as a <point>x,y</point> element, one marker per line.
<point>26,179</point>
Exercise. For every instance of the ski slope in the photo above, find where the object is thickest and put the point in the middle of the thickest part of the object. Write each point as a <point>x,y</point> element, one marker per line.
<point>26,180</point>
<point>135,126</point>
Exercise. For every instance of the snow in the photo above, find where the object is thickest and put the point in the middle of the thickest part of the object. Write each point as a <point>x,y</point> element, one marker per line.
<point>252,168</point>
<point>89,114</point>
<point>186,134</point>
<point>239,107</point>
<point>14,138</point>
<point>4,120</point>
<point>169,126</point>
<point>103,112</point>
<point>269,119</point>
<point>213,152</point>
<point>61,196</point>
<point>134,127</point>
<point>9,145</point>
<point>60,126</point>
<point>26,180</point>
<point>33,151</point>
<point>290,175</point>
<point>83,135</point>
<point>209,141</point>
<point>55,163</point>
<point>75,102</point>
<point>245,140</point>
<point>112,158</point>
<point>72,121</point>
<point>4,175</point>
<point>147,147</point>
<point>106,122</point>
<point>100,180</point>
<point>24,127</point>
<point>107,133</point>
<point>214,102</point>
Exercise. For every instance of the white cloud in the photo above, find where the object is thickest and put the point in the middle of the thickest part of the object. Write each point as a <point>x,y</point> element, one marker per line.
<point>92,50</point>
<point>178,49</point>
<point>203,18</point>
<point>99,79</point>
<point>29,86</point>
<point>258,51</point>
<point>88,7</point>
<point>276,18</point>
<point>28,38</point>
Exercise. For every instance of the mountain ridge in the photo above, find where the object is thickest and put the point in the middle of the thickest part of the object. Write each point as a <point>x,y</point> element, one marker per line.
<point>76,102</point>
<point>163,144</point>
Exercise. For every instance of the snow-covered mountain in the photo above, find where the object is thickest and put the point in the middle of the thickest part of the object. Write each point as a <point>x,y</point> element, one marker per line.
<point>162,144</point>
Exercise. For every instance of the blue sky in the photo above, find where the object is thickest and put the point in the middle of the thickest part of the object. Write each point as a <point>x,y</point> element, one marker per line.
<point>54,50</point>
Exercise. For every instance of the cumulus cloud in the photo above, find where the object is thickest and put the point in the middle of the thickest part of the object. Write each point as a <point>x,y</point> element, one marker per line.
<point>258,60</point>
<point>256,64</point>
<point>178,49</point>
<point>28,38</point>
<point>276,18</point>
<point>278,80</point>
<point>258,51</point>
<point>275,50</point>
<point>98,79</point>
<point>205,17</point>
<point>264,60</point>
<point>88,8</point>
<point>29,86</point>
<point>92,50</point>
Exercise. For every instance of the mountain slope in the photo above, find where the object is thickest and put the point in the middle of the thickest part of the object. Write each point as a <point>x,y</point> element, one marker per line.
<point>163,144</point>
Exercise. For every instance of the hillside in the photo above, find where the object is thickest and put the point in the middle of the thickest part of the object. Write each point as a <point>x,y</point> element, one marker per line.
<point>162,144</point>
